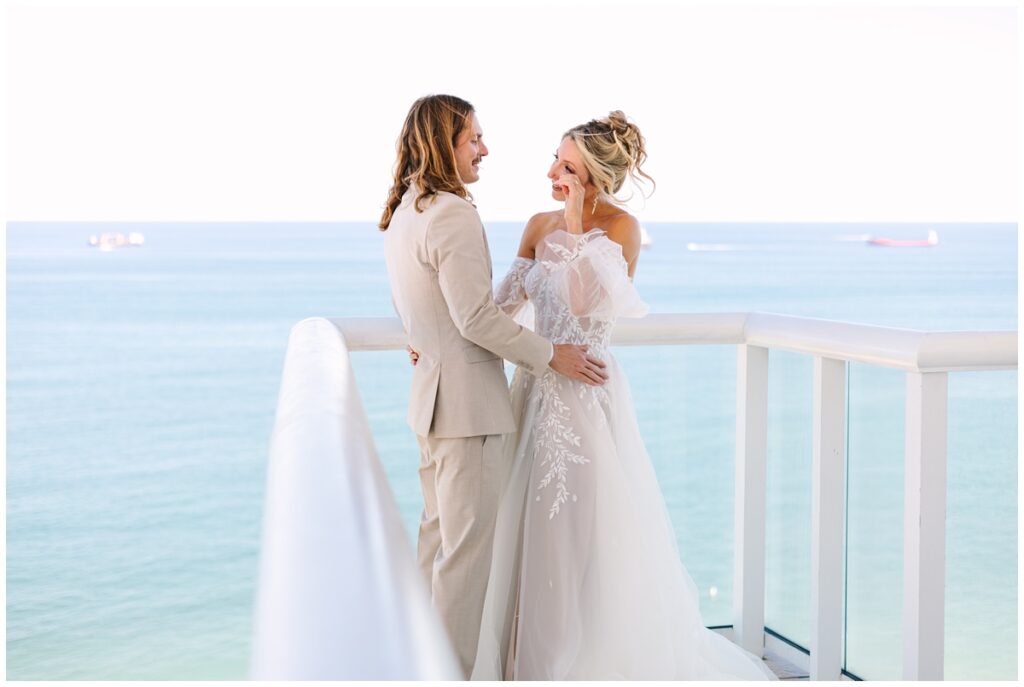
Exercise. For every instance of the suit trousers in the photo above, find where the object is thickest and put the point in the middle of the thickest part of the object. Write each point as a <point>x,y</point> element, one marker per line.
<point>461,481</point>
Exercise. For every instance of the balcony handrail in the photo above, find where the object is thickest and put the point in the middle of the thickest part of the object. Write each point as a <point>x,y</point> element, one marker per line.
<point>906,349</point>
<point>339,594</point>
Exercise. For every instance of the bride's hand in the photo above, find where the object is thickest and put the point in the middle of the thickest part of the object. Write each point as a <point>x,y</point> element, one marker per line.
<point>573,190</point>
<point>414,357</point>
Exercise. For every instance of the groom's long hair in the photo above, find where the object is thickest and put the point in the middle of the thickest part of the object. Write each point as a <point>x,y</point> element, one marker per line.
<point>426,152</point>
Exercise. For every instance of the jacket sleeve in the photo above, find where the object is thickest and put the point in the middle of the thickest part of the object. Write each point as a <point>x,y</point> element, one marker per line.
<point>456,249</point>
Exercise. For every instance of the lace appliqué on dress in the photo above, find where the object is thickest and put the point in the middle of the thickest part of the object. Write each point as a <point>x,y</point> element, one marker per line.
<point>564,255</point>
<point>556,442</point>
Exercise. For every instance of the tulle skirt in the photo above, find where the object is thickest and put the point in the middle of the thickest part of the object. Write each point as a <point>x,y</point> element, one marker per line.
<point>586,580</point>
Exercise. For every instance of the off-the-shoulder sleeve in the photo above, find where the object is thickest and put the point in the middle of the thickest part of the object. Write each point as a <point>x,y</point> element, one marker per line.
<point>593,279</point>
<point>511,292</point>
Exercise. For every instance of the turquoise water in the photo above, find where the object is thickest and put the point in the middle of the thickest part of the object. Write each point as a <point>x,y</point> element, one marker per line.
<point>141,386</point>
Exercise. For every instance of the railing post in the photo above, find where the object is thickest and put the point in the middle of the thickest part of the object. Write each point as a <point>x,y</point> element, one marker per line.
<point>827,502</point>
<point>924,526</point>
<point>751,458</point>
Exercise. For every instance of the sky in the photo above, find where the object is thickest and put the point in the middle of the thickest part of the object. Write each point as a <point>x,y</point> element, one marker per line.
<point>753,112</point>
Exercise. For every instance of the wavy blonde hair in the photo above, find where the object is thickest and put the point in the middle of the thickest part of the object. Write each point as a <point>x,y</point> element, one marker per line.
<point>426,152</point>
<point>613,149</point>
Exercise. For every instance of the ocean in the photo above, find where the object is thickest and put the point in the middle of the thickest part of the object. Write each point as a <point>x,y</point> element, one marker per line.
<point>141,390</point>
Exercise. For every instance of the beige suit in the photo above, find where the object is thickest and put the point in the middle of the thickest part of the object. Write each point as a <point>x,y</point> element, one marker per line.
<point>439,267</point>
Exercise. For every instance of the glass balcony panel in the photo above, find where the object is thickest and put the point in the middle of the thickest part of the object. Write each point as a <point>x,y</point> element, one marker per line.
<point>788,530</point>
<point>981,521</point>
<point>685,399</point>
<point>874,537</point>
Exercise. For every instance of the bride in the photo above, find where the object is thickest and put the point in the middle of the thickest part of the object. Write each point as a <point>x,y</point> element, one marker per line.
<point>586,580</point>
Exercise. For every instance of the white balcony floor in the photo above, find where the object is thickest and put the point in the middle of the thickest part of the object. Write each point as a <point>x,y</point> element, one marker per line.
<point>783,669</point>
<point>782,665</point>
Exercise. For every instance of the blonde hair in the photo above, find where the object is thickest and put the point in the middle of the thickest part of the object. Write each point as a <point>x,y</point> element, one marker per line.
<point>426,152</point>
<point>612,148</point>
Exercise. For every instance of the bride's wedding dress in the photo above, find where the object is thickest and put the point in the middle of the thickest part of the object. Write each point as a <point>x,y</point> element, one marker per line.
<point>586,580</point>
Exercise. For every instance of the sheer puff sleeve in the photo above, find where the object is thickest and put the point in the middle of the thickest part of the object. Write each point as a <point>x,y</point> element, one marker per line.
<point>590,275</point>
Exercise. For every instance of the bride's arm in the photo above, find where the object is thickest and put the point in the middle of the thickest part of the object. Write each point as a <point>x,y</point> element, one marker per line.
<point>510,295</point>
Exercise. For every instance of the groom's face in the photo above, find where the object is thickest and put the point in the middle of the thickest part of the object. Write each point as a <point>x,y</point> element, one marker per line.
<point>469,150</point>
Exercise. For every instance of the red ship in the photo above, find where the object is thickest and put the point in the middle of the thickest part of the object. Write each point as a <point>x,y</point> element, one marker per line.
<point>932,240</point>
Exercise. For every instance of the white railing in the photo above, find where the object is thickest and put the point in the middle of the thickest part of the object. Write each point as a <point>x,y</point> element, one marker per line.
<point>289,592</point>
<point>339,597</point>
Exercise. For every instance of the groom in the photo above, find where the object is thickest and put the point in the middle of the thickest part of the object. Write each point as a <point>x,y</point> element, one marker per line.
<point>439,267</point>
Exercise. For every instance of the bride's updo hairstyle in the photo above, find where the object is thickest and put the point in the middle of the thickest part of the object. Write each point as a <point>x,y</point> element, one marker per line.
<point>612,148</point>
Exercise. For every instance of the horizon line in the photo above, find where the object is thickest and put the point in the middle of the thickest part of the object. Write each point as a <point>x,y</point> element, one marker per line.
<point>498,221</point>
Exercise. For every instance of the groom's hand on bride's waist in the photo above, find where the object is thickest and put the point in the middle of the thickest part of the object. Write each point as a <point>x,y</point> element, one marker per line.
<point>573,362</point>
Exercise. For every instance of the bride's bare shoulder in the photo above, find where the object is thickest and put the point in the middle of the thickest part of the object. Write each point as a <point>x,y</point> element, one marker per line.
<point>624,229</point>
<point>539,226</point>
<point>544,222</point>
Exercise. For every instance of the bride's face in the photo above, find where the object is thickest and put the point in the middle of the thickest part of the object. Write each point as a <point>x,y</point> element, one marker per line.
<point>567,161</point>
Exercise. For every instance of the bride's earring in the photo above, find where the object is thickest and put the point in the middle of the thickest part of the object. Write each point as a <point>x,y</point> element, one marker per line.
<point>594,209</point>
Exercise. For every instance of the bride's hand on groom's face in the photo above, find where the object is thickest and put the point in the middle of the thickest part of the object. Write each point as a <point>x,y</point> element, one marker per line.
<point>573,362</point>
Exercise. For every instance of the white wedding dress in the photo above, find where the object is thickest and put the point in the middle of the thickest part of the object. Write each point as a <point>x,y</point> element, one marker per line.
<point>586,580</point>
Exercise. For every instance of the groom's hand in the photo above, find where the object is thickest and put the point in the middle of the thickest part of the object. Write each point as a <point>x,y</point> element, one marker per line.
<point>573,362</point>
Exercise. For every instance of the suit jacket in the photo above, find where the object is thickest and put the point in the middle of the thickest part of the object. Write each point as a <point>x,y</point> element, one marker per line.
<point>439,266</point>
